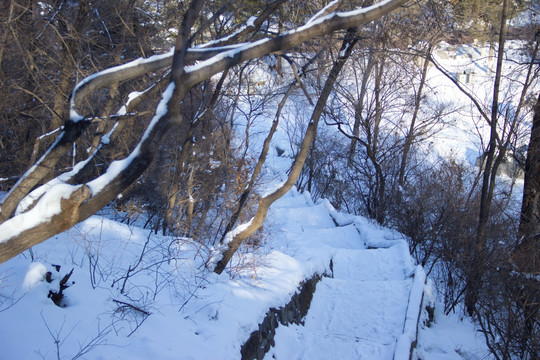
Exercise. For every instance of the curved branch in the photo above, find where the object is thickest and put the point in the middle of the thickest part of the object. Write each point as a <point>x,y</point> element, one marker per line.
<point>325,25</point>
<point>65,208</point>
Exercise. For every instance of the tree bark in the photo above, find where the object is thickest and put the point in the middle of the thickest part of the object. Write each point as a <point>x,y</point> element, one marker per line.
<point>258,167</point>
<point>6,29</point>
<point>359,107</point>
<point>200,117</point>
<point>409,138</point>
<point>264,152</point>
<point>526,255</point>
<point>70,56</point>
<point>378,211</point>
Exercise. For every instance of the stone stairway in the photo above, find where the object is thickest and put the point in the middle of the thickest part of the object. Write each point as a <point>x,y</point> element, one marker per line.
<point>359,312</point>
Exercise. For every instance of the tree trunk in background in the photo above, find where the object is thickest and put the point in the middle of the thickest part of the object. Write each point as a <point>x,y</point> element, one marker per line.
<point>359,107</point>
<point>476,262</point>
<point>190,203</point>
<point>526,255</point>
<point>5,31</point>
<point>409,138</point>
<point>258,167</point>
<point>84,202</point>
<point>265,202</point>
<point>376,210</point>
<point>70,55</point>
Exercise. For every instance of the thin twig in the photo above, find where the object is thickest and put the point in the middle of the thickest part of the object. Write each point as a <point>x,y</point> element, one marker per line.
<point>136,308</point>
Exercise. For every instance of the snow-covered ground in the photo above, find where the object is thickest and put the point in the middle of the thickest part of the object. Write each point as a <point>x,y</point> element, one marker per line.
<point>451,337</point>
<point>360,312</point>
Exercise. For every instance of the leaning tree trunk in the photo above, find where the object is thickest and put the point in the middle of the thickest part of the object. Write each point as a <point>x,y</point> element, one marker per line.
<point>258,167</point>
<point>237,238</point>
<point>266,146</point>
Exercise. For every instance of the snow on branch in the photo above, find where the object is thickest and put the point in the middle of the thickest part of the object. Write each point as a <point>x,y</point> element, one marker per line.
<point>117,167</point>
<point>330,7</point>
<point>319,27</point>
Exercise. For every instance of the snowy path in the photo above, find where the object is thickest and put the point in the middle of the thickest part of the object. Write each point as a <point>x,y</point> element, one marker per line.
<point>360,312</point>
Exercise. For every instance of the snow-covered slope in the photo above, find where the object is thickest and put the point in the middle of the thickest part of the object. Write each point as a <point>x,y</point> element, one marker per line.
<point>170,307</point>
<point>360,312</point>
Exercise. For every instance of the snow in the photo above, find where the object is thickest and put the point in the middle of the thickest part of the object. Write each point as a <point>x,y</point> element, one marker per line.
<point>52,132</point>
<point>451,337</point>
<point>74,116</point>
<point>360,312</point>
<point>414,308</point>
<point>342,52</point>
<point>322,11</point>
<point>314,21</point>
<point>249,23</point>
<point>33,167</point>
<point>116,167</point>
<point>36,273</point>
<point>50,194</point>
<point>223,310</point>
<point>310,24</point>
<point>227,54</point>
<point>216,253</point>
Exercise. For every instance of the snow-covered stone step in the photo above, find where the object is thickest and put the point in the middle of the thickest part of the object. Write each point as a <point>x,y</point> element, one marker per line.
<point>392,263</point>
<point>347,320</point>
<point>301,218</point>
<point>344,237</point>
<point>293,199</point>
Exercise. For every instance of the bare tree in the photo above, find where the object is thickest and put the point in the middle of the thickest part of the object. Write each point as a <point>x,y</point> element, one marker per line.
<point>526,255</point>
<point>503,126</point>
